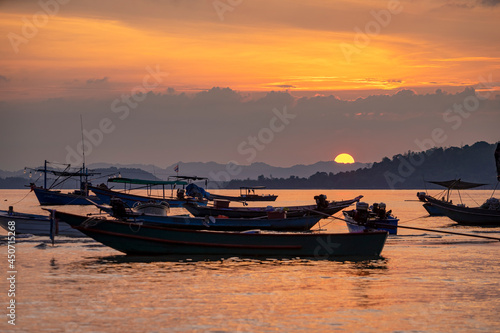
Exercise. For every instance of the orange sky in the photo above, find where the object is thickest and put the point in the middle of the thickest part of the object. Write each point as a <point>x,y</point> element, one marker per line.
<point>92,49</point>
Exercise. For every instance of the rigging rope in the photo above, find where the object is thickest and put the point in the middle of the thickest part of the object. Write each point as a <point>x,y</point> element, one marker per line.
<point>21,199</point>
<point>494,189</point>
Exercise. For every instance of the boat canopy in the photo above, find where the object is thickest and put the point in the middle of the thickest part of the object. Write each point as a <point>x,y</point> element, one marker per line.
<point>456,184</point>
<point>68,173</point>
<point>146,182</point>
<point>189,177</point>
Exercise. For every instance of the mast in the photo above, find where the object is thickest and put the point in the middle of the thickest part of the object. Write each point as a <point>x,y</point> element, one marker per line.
<point>45,174</point>
<point>82,185</point>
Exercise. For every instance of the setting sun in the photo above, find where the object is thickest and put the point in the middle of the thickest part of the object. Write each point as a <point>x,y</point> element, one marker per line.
<point>344,158</point>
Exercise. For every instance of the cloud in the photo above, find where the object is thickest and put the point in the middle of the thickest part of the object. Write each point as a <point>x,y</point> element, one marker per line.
<point>282,86</point>
<point>489,3</point>
<point>4,78</point>
<point>98,81</point>
<point>469,4</point>
<point>211,125</point>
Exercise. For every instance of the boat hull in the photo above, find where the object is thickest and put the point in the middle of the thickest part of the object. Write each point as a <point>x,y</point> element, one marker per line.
<point>146,239</point>
<point>244,197</point>
<point>254,212</point>
<point>38,225</point>
<point>129,199</point>
<point>303,223</point>
<point>354,227</point>
<point>53,198</point>
<point>466,215</point>
<point>432,210</point>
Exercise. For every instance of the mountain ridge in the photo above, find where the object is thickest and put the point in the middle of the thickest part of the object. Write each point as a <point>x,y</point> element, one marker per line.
<point>473,163</point>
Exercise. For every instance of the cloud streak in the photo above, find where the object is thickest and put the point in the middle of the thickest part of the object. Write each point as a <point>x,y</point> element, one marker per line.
<point>104,80</point>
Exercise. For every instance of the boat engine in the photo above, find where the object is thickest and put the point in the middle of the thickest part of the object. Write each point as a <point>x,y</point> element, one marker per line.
<point>321,201</point>
<point>361,215</point>
<point>381,211</point>
<point>180,193</point>
<point>118,208</point>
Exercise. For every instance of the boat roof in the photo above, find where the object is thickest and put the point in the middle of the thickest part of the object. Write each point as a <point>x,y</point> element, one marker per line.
<point>456,184</point>
<point>189,177</point>
<point>146,182</point>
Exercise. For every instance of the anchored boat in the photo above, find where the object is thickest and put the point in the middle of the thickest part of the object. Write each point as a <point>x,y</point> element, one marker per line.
<point>376,217</point>
<point>147,239</point>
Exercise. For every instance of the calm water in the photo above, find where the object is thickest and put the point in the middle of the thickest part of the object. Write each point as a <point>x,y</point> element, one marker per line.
<point>425,282</point>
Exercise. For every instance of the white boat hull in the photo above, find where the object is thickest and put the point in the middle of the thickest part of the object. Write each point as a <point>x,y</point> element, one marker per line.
<point>37,225</point>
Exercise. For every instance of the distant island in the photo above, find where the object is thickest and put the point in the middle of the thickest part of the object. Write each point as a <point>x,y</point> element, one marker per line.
<point>409,170</point>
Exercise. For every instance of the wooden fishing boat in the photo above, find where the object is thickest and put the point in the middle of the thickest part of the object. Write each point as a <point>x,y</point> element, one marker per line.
<point>485,215</point>
<point>247,193</point>
<point>34,224</point>
<point>221,208</point>
<point>49,196</point>
<point>365,218</point>
<point>455,184</point>
<point>130,197</point>
<point>488,214</point>
<point>147,239</point>
<point>156,213</point>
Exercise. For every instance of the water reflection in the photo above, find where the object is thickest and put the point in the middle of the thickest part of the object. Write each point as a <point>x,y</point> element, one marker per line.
<point>367,262</point>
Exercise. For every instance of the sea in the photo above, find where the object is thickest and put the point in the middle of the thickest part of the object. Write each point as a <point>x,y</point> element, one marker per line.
<point>423,281</point>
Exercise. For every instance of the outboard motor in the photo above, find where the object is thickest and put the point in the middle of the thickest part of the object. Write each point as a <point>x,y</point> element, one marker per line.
<point>361,215</point>
<point>118,208</point>
<point>321,201</point>
<point>375,208</point>
<point>421,196</point>
<point>381,211</point>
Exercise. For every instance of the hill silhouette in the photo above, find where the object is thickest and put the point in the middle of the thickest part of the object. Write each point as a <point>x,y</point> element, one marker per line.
<point>404,171</point>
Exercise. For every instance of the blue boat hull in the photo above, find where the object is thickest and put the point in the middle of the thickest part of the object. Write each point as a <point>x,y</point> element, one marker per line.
<point>230,224</point>
<point>53,198</point>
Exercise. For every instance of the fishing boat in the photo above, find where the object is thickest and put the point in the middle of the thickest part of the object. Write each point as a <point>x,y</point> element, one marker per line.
<point>157,213</point>
<point>104,193</point>
<point>221,208</point>
<point>488,214</point>
<point>146,239</point>
<point>247,193</point>
<point>376,217</point>
<point>455,184</point>
<point>34,224</point>
<point>49,195</point>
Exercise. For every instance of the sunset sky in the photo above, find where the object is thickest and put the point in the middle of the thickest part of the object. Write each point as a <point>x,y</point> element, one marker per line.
<point>62,59</point>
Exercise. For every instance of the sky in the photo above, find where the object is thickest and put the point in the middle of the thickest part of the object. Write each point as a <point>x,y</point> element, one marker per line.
<point>240,81</point>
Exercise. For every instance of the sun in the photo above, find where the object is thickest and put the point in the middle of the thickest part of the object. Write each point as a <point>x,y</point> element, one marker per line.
<point>344,158</point>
